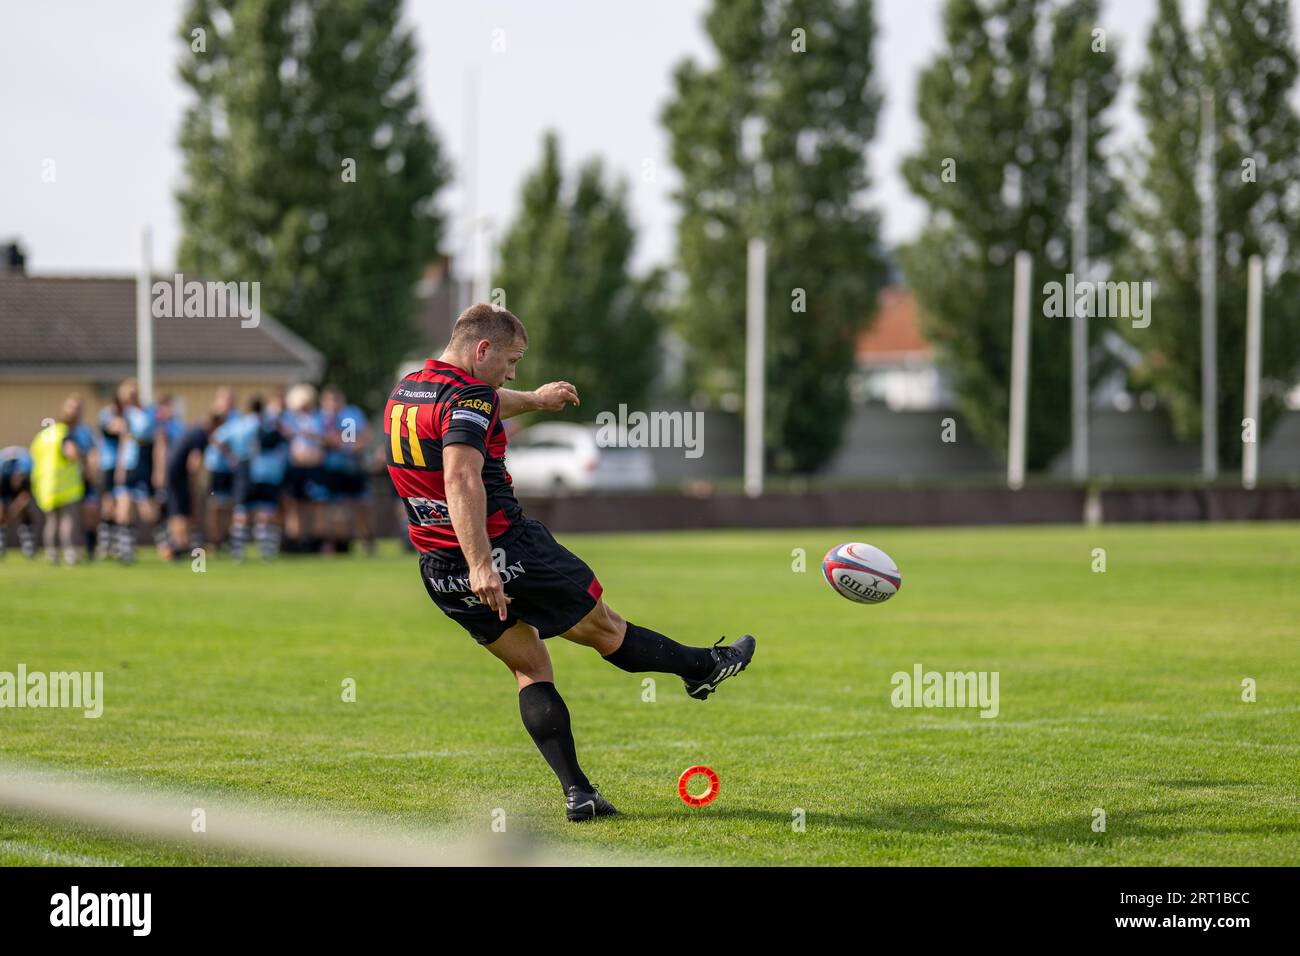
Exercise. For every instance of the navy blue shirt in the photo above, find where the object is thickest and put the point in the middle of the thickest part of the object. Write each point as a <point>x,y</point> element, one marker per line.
<point>194,439</point>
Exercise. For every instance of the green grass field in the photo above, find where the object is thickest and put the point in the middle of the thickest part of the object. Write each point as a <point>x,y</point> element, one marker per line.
<point>1119,690</point>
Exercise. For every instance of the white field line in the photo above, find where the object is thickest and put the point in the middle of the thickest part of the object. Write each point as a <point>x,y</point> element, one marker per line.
<point>53,857</point>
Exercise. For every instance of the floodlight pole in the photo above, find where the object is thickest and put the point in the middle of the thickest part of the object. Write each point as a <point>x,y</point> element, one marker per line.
<point>144,319</point>
<point>1019,371</point>
<point>1209,296</point>
<point>755,348</point>
<point>1254,343</point>
<point>1079,265</point>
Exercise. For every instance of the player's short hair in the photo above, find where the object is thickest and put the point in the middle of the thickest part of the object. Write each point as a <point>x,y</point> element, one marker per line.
<point>483,321</point>
<point>72,406</point>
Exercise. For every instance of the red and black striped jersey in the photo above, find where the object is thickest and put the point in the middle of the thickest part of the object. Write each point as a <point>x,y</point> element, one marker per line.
<point>443,405</point>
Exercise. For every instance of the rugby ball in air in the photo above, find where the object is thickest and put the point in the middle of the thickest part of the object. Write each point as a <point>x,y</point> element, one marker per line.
<point>861,573</point>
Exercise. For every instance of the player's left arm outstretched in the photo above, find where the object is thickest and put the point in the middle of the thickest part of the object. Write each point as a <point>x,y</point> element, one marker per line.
<point>551,397</point>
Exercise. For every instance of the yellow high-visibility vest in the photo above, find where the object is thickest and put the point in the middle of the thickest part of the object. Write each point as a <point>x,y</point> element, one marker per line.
<point>56,479</point>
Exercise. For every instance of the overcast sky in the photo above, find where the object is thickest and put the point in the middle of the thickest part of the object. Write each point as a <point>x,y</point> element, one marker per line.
<point>92,85</point>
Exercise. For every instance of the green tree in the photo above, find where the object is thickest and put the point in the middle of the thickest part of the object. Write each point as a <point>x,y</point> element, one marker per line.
<point>1244,55</point>
<point>565,270</point>
<point>309,167</point>
<point>771,142</point>
<point>994,170</point>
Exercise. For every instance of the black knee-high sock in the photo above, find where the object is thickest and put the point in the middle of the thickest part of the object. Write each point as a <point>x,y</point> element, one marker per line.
<point>547,719</point>
<point>646,650</point>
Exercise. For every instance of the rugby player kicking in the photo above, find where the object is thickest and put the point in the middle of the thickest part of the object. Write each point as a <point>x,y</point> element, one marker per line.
<point>501,576</point>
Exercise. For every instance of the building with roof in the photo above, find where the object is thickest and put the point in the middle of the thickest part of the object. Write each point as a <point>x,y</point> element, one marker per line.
<point>64,335</point>
<point>895,362</point>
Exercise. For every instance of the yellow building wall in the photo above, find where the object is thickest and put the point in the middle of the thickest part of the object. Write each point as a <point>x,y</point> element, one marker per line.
<point>193,401</point>
<point>24,405</point>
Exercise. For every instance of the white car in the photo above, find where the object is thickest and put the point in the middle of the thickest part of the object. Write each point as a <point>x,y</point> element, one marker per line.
<point>559,458</point>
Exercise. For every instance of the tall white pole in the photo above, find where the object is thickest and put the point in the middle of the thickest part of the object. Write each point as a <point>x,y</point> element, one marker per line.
<point>144,319</point>
<point>1019,371</point>
<point>1079,265</point>
<point>1254,342</point>
<point>483,260</point>
<point>1209,296</point>
<point>468,270</point>
<point>755,349</point>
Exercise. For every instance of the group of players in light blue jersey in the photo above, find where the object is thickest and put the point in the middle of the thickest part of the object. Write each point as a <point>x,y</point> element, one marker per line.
<point>114,466</point>
<point>291,463</point>
<point>288,462</point>
<point>130,453</point>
